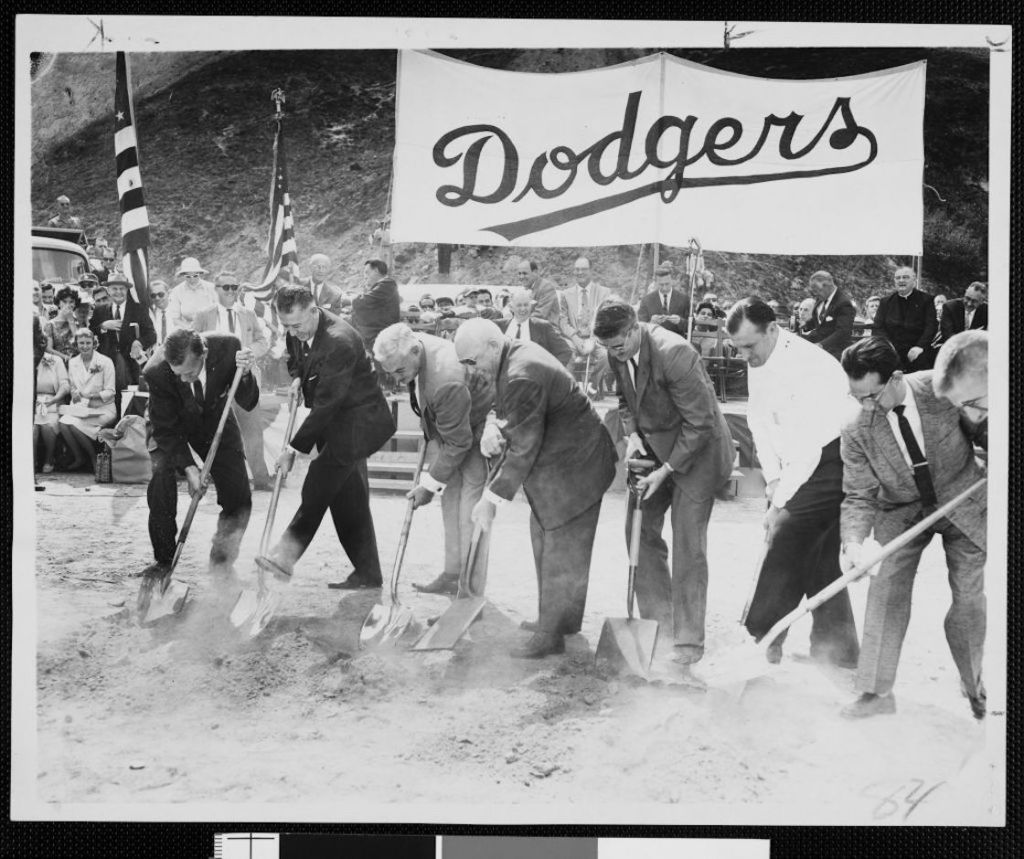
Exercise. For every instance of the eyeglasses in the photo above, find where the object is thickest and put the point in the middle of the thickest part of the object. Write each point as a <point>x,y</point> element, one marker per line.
<point>871,398</point>
<point>192,276</point>
<point>468,362</point>
<point>228,287</point>
<point>157,294</point>
<point>973,405</point>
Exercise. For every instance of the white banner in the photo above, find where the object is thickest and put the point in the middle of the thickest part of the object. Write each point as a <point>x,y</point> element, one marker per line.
<point>658,150</point>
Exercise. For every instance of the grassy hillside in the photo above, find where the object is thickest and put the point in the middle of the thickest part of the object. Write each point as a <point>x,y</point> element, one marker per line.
<point>205,135</point>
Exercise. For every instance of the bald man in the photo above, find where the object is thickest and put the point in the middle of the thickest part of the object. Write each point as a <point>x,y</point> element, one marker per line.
<point>961,376</point>
<point>558,451</point>
<point>325,295</point>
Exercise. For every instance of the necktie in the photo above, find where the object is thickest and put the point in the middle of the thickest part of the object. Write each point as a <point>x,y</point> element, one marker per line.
<point>584,307</point>
<point>664,301</point>
<point>519,331</point>
<point>231,322</point>
<point>634,371</point>
<point>922,476</point>
<point>117,311</point>
<point>413,402</point>
<point>163,326</point>
<point>197,389</point>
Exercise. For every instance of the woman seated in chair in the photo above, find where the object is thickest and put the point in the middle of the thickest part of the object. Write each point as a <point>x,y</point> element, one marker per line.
<point>52,388</point>
<point>92,400</point>
<point>63,328</point>
<point>705,330</point>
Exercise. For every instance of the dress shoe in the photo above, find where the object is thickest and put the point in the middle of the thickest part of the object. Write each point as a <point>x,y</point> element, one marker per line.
<point>443,584</point>
<point>541,644</point>
<point>276,566</point>
<point>774,653</point>
<point>356,583</point>
<point>869,704</point>
<point>977,701</point>
<point>155,570</point>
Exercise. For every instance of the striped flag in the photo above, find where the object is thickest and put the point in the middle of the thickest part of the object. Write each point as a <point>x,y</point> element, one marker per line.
<point>281,248</point>
<point>134,219</point>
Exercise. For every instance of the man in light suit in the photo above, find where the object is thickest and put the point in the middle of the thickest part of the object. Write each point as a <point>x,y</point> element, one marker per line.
<point>904,454</point>
<point>665,305</point>
<point>579,305</point>
<point>452,406</point>
<point>159,301</point>
<point>326,295</point>
<point>833,315</point>
<point>969,313</point>
<point>228,316</point>
<point>523,326</point>
<point>558,451</point>
<point>670,412</point>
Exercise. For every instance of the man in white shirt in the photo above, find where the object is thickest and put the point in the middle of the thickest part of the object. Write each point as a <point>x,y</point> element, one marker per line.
<point>524,326</point>
<point>796,410</point>
<point>228,316</point>
<point>159,300</point>
<point>906,453</point>
<point>191,295</point>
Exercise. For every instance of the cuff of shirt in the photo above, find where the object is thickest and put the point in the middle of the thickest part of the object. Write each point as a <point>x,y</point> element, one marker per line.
<point>434,485</point>
<point>494,499</point>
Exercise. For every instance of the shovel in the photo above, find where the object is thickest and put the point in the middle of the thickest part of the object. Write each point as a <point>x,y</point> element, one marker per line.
<point>627,643</point>
<point>750,661</point>
<point>161,597</point>
<point>388,620</point>
<point>253,608</point>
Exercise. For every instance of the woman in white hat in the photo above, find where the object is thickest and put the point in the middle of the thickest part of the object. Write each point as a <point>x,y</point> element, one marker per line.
<point>190,296</point>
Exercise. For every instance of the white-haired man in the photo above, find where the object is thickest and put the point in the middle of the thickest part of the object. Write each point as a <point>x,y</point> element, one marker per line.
<point>452,405</point>
<point>524,326</point>
<point>961,376</point>
<point>325,295</point>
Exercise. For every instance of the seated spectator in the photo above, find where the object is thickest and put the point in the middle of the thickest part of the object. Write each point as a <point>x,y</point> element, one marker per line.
<point>40,307</point>
<point>100,296</point>
<point>485,305</point>
<point>64,326</point>
<point>52,389</point>
<point>427,301</point>
<point>705,317</point>
<point>712,299</point>
<point>806,322</point>
<point>445,306</point>
<point>92,408</point>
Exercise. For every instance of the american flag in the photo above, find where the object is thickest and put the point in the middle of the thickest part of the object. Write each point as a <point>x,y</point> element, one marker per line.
<point>281,241</point>
<point>134,219</point>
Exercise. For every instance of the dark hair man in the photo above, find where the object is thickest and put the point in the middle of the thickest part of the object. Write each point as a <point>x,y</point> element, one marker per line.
<point>378,306</point>
<point>795,413</point>
<point>905,454</point>
<point>670,413</point>
<point>545,293</point>
<point>348,420</point>
<point>188,382</point>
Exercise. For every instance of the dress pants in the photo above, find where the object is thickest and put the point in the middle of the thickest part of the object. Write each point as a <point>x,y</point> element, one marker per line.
<point>233,496</point>
<point>463,490</point>
<point>888,610</point>
<point>251,426</point>
<point>802,558</point>
<point>677,603</point>
<point>562,559</point>
<point>344,489</point>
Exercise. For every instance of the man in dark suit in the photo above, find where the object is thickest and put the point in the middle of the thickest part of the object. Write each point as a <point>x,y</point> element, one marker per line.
<point>969,313</point>
<point>905,454</point>
<point>189,379</point>
<point>125,331</point>
<point>834,313</point>
<point>348,420</point>
<point>326,295</point>
<point>524,326</point>
<point>555,448</point>
<point>906,318</point>
<point>669,412</point>
<point>665,306</point>
<point>379,306</point>
<point>544,291</point>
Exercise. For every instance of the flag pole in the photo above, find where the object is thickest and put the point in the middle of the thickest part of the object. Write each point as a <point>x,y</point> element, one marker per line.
<point>278,97</point>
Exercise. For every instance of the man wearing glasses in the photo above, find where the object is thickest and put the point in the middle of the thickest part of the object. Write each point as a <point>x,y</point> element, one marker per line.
<point>159,298</point>
<point>905,454</point>
<point>961,376</point>
<point>191,295</point>
<point>796,410</point>
<point>544,291</point>
<point>228,316</point>
<point>969,313</point>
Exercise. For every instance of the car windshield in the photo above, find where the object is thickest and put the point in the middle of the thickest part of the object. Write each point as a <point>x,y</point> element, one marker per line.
<point>55,264</point>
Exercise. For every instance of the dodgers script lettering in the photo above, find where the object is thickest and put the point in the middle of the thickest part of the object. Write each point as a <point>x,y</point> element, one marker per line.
<point>553,173</point>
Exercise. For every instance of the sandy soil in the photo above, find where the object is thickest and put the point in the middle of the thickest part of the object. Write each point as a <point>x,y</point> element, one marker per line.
<point>189,712</point>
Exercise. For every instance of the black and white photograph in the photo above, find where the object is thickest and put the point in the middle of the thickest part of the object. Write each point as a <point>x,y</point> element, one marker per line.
<point>449,421</point>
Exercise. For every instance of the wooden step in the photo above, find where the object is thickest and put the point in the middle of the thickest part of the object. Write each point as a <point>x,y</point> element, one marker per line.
<point>383,484</point>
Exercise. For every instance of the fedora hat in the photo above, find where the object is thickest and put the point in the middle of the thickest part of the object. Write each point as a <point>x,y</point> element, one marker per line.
<point>190,265</point>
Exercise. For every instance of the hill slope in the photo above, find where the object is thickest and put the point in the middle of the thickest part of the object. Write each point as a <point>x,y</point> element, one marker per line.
<point>205,134</point>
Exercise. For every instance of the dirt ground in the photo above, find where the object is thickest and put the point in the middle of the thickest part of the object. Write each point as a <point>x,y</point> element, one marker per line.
<point>189,713</point>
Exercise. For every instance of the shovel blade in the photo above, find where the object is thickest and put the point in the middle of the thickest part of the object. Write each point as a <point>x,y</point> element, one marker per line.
<point>155,605</point>
<point>253,610</point>
<point>451,625</point>
<point>733,673</point>
<point>627,644</point>
<point>385,626</point>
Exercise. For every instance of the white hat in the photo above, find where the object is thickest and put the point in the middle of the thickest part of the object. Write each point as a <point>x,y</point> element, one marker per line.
<point>190,265</point>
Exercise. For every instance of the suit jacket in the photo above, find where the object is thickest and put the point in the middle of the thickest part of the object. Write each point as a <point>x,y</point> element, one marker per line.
<point>453,404</point>
<point>558,449</point>
<point>175,415</point>
<point>349,418</point>
<point>547,335</point>
<point>678,305</point>
<point>112,342</point>
<point>375,310</point>
<point>247,327</point>
<point>545,293</point>
<point>954,315</point>
<point>907,322</point>
<point>674,408</point>
<point>329,297</point>
<point>834,329</point>
<point>879,484</point>
<point>575,327</point>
